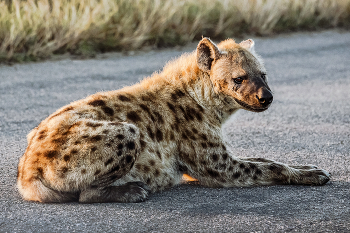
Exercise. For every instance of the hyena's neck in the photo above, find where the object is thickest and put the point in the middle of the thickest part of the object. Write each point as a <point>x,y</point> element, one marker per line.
<point>189,78</point>
<point>203,92</point>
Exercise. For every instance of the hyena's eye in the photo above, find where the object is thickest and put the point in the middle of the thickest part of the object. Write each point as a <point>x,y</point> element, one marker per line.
<point>238,80</point>
<point>263,76</point>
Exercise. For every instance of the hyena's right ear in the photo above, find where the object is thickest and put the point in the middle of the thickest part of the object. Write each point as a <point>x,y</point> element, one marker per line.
<point>207,52</point>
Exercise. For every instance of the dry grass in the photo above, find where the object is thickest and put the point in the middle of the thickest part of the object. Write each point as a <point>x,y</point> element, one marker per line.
<point>38,28</point>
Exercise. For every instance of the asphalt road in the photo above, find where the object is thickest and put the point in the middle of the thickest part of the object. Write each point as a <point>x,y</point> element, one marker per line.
<point>308,123</point>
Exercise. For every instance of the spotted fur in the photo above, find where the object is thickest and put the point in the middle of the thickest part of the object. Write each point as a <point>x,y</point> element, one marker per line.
<point>121,145</point>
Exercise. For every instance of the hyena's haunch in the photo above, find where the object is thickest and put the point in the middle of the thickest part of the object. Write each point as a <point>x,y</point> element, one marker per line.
<point>119,146</point>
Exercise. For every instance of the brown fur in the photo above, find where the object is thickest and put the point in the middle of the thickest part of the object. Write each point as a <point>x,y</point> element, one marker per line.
<point>118,146</point>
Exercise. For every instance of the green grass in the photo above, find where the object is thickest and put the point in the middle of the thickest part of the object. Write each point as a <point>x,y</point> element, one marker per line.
<point>36,29</point>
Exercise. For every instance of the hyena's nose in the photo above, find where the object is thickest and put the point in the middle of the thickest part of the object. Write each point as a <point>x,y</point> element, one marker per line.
<point>265,98</point>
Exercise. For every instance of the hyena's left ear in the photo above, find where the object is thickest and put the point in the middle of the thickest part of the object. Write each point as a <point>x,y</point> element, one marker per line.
<point>207,52</point>
<point>248,44</point>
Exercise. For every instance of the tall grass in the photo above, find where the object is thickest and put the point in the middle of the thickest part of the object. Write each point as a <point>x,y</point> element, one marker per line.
<point>39,28</point>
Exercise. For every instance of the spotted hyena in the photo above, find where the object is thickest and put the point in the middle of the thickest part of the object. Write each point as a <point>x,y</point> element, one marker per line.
<point>119,146</point>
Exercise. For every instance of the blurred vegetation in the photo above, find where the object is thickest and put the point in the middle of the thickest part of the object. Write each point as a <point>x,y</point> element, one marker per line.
<point>36,29</point>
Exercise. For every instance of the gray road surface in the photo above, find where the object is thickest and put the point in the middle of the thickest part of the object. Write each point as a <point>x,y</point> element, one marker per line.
<point>308,123</point>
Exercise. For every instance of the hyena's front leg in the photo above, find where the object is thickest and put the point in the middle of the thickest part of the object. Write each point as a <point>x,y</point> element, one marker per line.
<point>215,166</point>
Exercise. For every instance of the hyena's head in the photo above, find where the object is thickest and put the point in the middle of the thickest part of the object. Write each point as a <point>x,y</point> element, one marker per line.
<point>236,72</point>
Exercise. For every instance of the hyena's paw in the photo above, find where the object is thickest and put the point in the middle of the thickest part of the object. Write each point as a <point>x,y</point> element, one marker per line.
<point>313,177</point>
<point>135,192</point>
<point>129,192</point>
<point>304,167</point>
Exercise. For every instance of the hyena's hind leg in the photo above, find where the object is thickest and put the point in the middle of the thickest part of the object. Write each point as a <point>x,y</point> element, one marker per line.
<point>101,189</point>
<point>81,164</point>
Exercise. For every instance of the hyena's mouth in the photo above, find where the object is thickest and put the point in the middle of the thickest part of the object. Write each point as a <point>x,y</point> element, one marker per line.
<point>250,108</point>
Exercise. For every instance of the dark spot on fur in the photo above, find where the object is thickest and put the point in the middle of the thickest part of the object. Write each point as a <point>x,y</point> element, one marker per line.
<point>42,134</point>
<point>95,138</point>
<point>159,135</point>
<point>172,136</point>
<point>212,173</point>
<point>115,123</point>
<point>64,169</point>
<point>128,159</point>
<point>242,165</point>
<point>152,162</point>
<point>150,133</point>
<point>223,147</point>
<point>224,156</point>
<point>276,168</point>
<point>119,153</point>
<point>74,151</point>
<point>77,142</point>
<point>194,130</point>
<point>97,172</point>
<point>252,166</point>
<point>247,170</point>
<point>214,157</point>
<point>130,145</point>
<point>177,94</point>
<point>182,168</point>
<point>110,160</point>
<point>138,167</point>
<point>120,136</point>
<point>133,116</point>
<point>143,144</point>
<point>213,144</point>
<point>106,131</point>
<point>85,136</point>
<point>120,146</point>
<point>230,168</point>
<point>123,98</point>
<point>184,136</point>
<point>171,107</point>
<point>146,168</point>
<point>258,172</point>
<point>61,140</point>
<point>149,97</point>
<point>146,109</point>
<point>159,155</point>
<point>156,172</point>
<point>108,144</point>
<point>132,130</point>
<point>236,175</point>
<point>109,111</point>
<point>204,137</point>
<point>97,103</point>
<point>93,124</point>
<point>40,171</point>
<point>83,171</point>
<point>255,177</point>
<point>196,114</point>
<point>204,145</point>
<point>184,113</point>
<point>66,158</point>
<point>190,134</point>
<point>159,117</point>
<point>51,154</point>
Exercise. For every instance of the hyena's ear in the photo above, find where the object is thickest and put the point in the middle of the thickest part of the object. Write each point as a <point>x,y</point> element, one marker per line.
<point>207,52</point>
<point>248,44</point>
